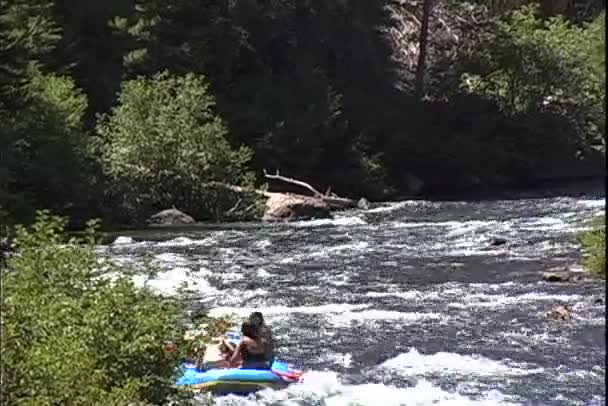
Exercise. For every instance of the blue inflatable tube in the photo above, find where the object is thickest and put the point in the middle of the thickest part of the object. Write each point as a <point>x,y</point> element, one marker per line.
<point>236,380</point>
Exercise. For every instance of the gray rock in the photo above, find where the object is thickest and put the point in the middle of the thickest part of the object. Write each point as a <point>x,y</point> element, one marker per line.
<point>170,217</point>
<point>363,204</point>
<point>287,207</point>
<point>498,241</point>
<point>556,276</point>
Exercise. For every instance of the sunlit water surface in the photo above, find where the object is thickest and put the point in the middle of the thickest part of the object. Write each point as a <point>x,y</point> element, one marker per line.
<point>407,303</point>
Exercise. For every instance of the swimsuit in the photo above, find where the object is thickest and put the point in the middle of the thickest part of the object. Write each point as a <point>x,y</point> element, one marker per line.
<point>253,360</point>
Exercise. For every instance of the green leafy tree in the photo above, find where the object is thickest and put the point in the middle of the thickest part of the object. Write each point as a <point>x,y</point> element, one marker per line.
<point>597,54</point>
<point>45,148</point>
<point>163,145</point>
<point>527,64</point>
<point>75,328</point>
<point>28,35</point>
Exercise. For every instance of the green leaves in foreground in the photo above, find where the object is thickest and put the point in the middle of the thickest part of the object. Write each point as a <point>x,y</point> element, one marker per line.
<point>75,328</point>
<point>594,247</point>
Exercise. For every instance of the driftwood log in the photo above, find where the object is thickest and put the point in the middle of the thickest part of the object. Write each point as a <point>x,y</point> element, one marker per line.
<point>331,199</point>
<point>283,206</point>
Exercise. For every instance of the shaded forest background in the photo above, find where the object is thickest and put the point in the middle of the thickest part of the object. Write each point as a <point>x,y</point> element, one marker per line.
<point>117,109</point>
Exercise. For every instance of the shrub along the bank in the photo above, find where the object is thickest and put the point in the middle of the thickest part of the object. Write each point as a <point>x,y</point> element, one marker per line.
<point>594,247</point>
<point>162,145</point>
<point>76,330</point>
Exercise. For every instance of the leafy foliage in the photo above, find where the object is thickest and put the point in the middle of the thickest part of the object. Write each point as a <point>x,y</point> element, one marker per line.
<point>27,36</point>
<point>43,146</point>
<point>163,144</point>
<point>594,247</point>
<point>527,64</point>
<point>76,330</point>
<point>320,91</point>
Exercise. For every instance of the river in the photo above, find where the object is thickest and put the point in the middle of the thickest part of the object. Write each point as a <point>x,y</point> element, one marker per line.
<point>408,303</point>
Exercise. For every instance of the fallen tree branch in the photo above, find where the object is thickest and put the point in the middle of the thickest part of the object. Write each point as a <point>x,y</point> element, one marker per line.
<point>238,202</point>
<point>330,198</point>
<point>305,185</point>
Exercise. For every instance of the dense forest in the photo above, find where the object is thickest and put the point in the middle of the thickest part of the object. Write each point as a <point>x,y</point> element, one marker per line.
<point>117,109</point>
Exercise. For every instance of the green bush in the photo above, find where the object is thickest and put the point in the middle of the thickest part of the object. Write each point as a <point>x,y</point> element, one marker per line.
<point>45,148</point>
<point>77,331</point>
<point>594,247</point>
<point>527,65</point>
<point>163,143</point>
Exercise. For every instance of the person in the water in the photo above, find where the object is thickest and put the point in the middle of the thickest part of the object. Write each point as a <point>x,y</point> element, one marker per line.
<point>265,336</point>
<point>250,349</point>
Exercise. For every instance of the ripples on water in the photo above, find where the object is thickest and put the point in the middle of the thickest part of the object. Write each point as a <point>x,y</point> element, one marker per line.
<point>408,303</point>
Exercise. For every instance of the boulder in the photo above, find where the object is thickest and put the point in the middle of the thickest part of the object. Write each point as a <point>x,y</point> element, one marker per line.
<point>288,207</point>
<point>363,204</point>
<point>556,276</point>
<point>170,217</point>
<point>562,312</point>
<point>564,274</point>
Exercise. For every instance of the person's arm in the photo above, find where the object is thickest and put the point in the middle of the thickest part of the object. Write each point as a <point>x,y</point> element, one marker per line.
<point>229,346</point>
<point>237,352</point>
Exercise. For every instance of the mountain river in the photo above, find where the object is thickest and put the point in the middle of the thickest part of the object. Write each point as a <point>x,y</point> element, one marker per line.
<point>407,303</point>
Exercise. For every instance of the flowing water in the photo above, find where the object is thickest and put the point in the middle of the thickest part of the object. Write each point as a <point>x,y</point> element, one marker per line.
<point>407,303</point>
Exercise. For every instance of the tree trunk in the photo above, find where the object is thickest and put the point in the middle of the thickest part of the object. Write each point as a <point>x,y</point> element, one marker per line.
<point>422,45</point>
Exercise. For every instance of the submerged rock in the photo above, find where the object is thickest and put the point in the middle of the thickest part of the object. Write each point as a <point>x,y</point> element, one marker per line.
<point>287,207</point>
<point>556,276</point>
<point>563,274</point>
<point>170,217</point>
<point>562,312</point>
<point>495,242</point>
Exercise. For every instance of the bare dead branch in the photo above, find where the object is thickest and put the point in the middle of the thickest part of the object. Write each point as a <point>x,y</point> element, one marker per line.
<point>238,202</point>
<point>305,185</point>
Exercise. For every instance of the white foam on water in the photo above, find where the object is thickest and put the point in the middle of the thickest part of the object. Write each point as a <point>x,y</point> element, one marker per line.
<point>325,388</point>
<point>169,282</point>
<point>547,223</point>
<point>390,207</point>
<point>262,244</point>
<point>327,251</point>
<point>339,221</point>
<point>412,363</point>
<point>525,336</point>
<point>122,259</point>
<point>373,315</point>
<point>123,240</point>
<point>565,375</point>
<point>357,247</point>
<point>184,242</point>
<point>344,360</point>
<point>407,295</point>
<point>204,272</point>
<point>171,259</point>
<point>489,300</point>
<point>271,311</point>
<point>592,203</point>
<point>233,273</point>
<point>233,297</point>
<point>262,273</point>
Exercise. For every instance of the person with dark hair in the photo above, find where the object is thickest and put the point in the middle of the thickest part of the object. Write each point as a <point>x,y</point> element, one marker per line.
<point>250,348</point>
<point>265,336</point>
